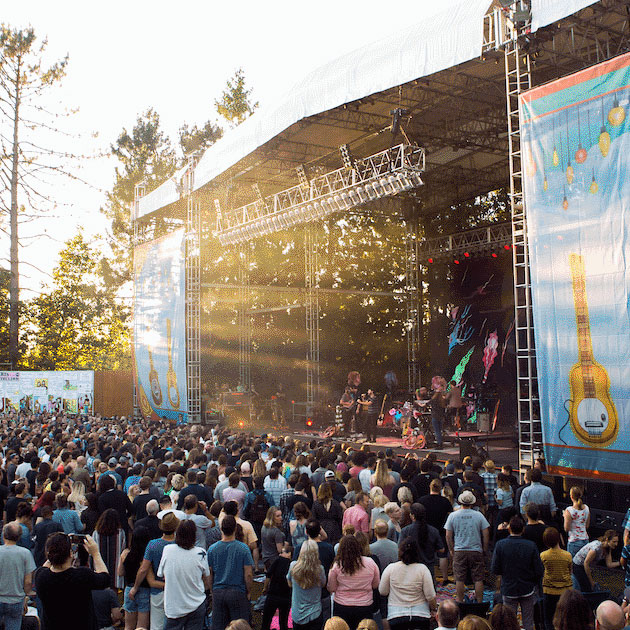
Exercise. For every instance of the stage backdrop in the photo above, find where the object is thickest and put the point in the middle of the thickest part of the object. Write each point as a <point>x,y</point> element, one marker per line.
<point>159,328</point>
<point>67,390</point>
<point>576,161</point>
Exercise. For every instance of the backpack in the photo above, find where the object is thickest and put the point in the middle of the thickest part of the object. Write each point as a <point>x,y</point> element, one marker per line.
<point>258,508</point>
<point>299,535</point>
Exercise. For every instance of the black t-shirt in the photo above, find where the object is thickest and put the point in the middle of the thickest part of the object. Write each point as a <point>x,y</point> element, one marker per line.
<point>535,534</point>
<point>4,493</point>
<point>422,482</point>
<point>299,498</point>
<point>117,500</point>
<point>277,574</point>
<point>104,602</point>
<point>67,597</point>
<point>438,508</point>
<point>140,506</point>
<point>326,557</point>
<point>12,506</point>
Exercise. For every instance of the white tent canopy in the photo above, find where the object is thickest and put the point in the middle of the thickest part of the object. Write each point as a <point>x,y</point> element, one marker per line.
<point>441,41</point>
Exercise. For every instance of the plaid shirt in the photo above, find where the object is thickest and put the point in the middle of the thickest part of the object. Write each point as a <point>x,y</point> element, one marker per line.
<point>275,487</point>
<point>490,482</point>
<point>289,492</point>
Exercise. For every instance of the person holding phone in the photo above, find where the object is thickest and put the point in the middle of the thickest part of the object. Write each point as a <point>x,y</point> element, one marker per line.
<point>65,590</point>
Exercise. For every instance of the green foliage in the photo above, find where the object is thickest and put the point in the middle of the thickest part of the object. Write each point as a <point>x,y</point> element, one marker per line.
<point>145,155</point>
<point>235,104</point>
<point>192,139</point>
<point>77,323</point>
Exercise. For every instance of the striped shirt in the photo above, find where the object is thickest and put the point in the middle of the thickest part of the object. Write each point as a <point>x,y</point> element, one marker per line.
<point>275,487</point>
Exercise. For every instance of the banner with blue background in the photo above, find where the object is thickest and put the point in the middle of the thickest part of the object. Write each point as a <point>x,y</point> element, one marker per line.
<point>576,176</point>
<point>159,328</point>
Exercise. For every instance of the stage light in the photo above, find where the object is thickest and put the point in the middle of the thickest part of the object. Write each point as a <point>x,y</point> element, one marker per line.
<point>456,261</point>
<point>466,255</point>
<point>430,260</point>
<point>507,247</point>
<point>494,255</point>
<point>241,424</point>
<point>309,423</point>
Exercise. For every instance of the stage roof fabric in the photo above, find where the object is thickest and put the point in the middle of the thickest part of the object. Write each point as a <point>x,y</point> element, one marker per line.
<point>545,12</point>
<point>441,41</point>
<point>308,119</point>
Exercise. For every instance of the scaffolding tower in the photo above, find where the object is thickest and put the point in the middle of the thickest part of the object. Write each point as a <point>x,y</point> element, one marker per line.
<point>311,269</point>
<point>518,79</point>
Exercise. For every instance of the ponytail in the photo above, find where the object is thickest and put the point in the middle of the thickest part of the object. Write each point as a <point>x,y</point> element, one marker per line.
<point>576,495</point>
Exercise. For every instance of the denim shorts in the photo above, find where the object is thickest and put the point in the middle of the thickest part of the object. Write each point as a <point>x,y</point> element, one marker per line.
<point>140,603</point>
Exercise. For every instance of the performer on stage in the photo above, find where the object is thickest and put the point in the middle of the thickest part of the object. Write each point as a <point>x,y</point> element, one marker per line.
<point>373,411</point>
<point>349,402</point>
<point>454,404</point>
<point>438,403</point>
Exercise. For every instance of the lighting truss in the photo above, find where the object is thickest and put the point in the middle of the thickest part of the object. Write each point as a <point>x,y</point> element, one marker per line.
<point>381,175</point>
<point>473,241</point>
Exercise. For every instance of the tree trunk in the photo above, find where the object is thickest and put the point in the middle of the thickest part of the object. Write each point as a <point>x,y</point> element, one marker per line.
<point>14,286</point>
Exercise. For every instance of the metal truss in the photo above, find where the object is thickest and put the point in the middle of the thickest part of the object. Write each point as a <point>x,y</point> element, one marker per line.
<point>138,192</point>
<point>413,302</point>
<point>383,174</point>
<point>311,268</point>
<point>472,241</point>
<point>244,318</point>
<point>518,79</point>
<point>193,294</point>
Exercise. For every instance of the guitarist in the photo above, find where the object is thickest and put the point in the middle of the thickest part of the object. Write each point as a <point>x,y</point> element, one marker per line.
<point>373,412</point>
<point>349,403</point>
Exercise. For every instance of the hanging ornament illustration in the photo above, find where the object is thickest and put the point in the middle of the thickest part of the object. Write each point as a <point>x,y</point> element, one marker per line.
<point>580,154</point>
<point>617,114</point>
<point>545,183</point>
<point>531,163</point>
<point>594,187</point>
<point>604,136</point>
<point>565,201</point>
<point>555,160</point>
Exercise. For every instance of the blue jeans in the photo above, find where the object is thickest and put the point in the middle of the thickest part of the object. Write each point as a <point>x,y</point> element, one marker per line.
<point>192,621</point>
<point>228,604</point>
<point>437,429</point>
<point>576,545</point>
<point>11,614</point>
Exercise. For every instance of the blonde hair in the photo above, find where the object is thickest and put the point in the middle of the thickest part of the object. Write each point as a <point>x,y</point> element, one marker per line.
<point>404,495</point>
<point>77,496</point>
<point>259,470</point>
<point>367,624</point>
<point>489,466</point>
<point>177,482</point>
<point>375,491</point>
<point>336,623</point>
<point>238,624</point>
<point>306,571</point>
<point>382,478</point>
<point>473,622</point>
<point>271,512</point>
<point>447,492</point>
<point>380,500</point>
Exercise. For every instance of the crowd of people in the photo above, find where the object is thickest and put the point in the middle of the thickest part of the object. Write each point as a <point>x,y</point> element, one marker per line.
<point>114,521</point>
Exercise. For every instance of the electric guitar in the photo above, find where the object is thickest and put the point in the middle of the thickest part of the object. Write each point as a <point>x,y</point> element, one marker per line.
<point>156,390</point>
<point>592,415</point>
<point>171,376</point>
<point>145,407</point>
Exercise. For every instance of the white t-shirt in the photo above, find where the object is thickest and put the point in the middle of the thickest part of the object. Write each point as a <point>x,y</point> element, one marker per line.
<point>182,570</point>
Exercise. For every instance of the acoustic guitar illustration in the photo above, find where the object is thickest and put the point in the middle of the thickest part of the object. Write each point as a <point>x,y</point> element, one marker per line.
<point>171,376</point>
<point>156,390</point>
<point>145,406</point>
<point>592,414</point>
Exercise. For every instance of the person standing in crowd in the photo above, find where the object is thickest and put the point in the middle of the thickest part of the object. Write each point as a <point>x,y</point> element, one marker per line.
<point>467,535</point>
<point>65,591</point>
<point>383,548</point>
<point>272,537</point>
<point>329,513</point>
<point>540,494</point>
<point>306,578</point>
<point>557,578</point>
<point>448,615</point>
<point>437,509</point>
<point>16,572</point>
<point>67,518</point>
<point>150,565</point>
<point>231,576</point>
<point>137,610</point>
<point>41,531</point>
<point>577,519</point>
<point>352,579</point>
<point>517,565</point>
<point>184,568</point>
<point>357,515</point>
<point>277,591</point>
<point>408,585</point>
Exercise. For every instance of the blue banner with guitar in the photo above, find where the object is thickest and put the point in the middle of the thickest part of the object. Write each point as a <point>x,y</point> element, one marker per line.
<point>576,176</point>
<point>159,328</point>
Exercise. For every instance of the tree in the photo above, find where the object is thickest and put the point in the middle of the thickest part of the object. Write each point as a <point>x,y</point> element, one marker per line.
<point>77,322</point>
<point>23,160</point>
<point>145,155</point>
<point>192,139</point>
<point>235,105</point>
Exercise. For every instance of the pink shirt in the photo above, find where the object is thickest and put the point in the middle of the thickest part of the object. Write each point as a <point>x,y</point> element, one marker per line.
<point>356,589</point>
<point>358,517</point>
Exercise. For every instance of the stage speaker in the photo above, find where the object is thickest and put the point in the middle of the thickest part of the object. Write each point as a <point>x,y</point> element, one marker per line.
<point>483,422</point>
<point>467,447</point>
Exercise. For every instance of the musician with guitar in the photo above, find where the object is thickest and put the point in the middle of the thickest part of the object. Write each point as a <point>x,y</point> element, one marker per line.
<point>348,402</point>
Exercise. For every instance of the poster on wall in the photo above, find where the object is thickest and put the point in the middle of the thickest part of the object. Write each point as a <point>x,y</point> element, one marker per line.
<point>36,392</point>
<point>576,163</point>
<point>159,328</point>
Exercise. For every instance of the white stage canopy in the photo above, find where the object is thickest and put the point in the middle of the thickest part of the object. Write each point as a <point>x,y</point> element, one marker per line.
<point>441,41</point>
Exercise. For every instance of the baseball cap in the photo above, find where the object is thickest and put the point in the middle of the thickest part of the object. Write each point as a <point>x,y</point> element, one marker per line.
<point>450,468</point>
<point>329,474</point>
<point>467,498</point>
<point>112,461</point>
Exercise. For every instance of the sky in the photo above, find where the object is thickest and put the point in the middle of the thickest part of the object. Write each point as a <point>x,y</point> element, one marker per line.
<point>125,57</point>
